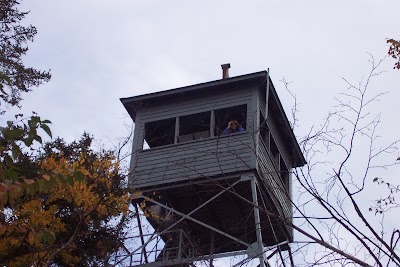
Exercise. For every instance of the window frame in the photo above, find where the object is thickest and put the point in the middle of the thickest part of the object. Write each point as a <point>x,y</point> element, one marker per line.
<point>213,133</point>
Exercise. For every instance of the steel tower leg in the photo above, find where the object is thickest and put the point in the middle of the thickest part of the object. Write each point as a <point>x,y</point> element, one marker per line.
<point>257,222</point>
<point>143,253</point>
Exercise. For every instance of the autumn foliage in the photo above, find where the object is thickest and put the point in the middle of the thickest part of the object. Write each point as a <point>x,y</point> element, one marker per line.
<point>77,215</point>
<point>60,204</point>
<point>394,51</point>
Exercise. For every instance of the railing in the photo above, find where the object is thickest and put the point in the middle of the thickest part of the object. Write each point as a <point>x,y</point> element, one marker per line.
<point>176,245</point>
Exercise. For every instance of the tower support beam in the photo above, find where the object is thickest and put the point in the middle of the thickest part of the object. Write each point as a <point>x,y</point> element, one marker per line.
<point>257,222</point>
<point>196,221</point>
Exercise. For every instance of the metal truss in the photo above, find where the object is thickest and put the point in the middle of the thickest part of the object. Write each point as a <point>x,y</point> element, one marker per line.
<point>150,250</point>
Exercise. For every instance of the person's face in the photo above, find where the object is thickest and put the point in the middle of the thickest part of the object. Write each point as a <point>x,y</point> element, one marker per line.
<point>232,125</point>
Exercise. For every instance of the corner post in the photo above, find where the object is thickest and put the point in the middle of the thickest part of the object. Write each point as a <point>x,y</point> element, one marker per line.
<point>257,222</point>
<point>176,134</point>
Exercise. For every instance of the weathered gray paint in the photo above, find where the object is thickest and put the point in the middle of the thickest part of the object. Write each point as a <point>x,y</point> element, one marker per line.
<point>273,182</point>
<point>276,135</point>
<point>187,106</point>
<point>182,107</point>
<point>215,157</point>
<point>196,159</point>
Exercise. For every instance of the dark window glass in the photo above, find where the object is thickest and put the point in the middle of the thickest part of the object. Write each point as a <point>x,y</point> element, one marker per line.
<point>160,133</point>
<point>195,126</point>
<point>284,173</point>
<point>275,152</point>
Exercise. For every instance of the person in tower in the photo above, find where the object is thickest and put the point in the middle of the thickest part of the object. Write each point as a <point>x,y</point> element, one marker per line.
<point>233,127</point>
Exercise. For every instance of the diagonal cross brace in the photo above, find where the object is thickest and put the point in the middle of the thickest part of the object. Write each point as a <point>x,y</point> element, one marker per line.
<point>185,216</point>
<point>190,213</point>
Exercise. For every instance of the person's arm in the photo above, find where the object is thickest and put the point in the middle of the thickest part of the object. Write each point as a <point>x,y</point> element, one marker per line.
<point>226,131</point>
<point>241,130</point>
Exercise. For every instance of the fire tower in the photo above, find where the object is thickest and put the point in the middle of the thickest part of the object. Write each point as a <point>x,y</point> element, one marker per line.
<point>209,195</point>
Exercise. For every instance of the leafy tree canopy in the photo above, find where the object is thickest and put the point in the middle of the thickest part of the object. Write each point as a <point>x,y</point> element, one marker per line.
<point>15,77</point>
<point>77,215</point>
<point>62,204</point>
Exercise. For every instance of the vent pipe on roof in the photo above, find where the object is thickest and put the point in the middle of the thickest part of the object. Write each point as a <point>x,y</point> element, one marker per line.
<point>225,70</point>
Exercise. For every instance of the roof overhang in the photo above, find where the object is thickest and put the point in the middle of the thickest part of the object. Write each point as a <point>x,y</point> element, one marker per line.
<point>131,104</point>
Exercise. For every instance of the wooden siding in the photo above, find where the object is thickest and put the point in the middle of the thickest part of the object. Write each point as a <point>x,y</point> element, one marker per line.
<point>193,105</point>
<point>186,106</point>
<point>196,159</point>
<point>272,181</point>
<point>276,135</point>
<point>274,129</point>
<point>261,99</point>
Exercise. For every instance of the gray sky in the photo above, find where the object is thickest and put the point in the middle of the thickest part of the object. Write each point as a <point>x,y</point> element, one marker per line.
<point>99,51</point>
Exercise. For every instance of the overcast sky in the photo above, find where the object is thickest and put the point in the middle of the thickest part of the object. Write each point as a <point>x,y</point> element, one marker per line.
<point>99,51</point>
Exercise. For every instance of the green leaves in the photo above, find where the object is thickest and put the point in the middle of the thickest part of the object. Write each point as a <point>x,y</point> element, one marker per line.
<point>24,130</point>
<point>46,128</point>
<point>4,78</point>
<point>16,137</point>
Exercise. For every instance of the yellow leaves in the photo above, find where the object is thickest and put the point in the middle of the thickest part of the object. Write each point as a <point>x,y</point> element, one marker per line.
<point>37,218</point>
<point>83,196</point>
<point>72,193</point>
<point>102,210</point>
<point>85,193</point>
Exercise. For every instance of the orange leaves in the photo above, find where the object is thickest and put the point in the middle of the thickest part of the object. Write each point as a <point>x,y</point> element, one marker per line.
<point>31,238</point>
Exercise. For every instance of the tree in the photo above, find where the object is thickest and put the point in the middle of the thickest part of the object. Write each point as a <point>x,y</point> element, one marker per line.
<point>60,204</point>
<point>336,220</point>
<point>16,78</point>
<point>340,218</point>
<point>77,218</point>
<point>394,51</point>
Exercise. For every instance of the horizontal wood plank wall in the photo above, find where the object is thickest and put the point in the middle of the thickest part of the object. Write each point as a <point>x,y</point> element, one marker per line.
<point>261,99</point>
<point>273,183</point>
<point>275,132</point>
<point>193,105</point>
<point>197,159</point>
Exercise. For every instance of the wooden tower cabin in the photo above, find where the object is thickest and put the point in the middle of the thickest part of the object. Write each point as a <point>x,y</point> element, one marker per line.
<point>210,193</point>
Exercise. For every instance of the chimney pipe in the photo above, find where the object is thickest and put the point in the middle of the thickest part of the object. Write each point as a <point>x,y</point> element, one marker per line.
<point>225,70</point>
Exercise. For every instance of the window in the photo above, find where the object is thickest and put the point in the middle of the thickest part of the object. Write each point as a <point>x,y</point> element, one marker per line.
<point>264,132</point>
<point>160,133</point>
<point>223,116</point>
<point>194,127</point>
<point>284,173</point>
<point>275,152</point>
<point>191,127</point>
